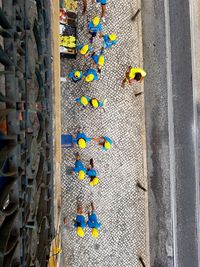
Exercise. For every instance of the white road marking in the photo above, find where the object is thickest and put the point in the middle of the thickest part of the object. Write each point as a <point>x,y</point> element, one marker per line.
<point>171,133</point>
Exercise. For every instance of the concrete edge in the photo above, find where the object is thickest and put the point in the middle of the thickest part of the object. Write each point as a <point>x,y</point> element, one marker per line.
<point>140,35</point>
<point>56,98</point>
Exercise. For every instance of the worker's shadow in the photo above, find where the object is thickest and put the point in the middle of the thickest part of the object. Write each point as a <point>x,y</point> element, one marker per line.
<point>69,170</point>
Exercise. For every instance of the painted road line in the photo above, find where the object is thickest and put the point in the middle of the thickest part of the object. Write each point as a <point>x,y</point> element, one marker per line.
<point>171,133</point>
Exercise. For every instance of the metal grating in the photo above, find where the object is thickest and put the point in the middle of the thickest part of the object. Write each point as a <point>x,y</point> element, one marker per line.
<point>119,203</point>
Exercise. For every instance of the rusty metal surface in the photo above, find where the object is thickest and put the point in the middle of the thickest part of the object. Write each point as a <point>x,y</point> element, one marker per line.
<point>120,204</point>
<point>26,145</point>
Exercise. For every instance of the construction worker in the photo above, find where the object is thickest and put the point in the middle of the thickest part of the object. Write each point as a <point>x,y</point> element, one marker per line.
<point>84,49</point>
<point>92,174</point>
<point>79,168</point>
<point>93,222</point>
<point>83,101</point>
<point>98,60</point>
<point>91,75</point>
<point>103,6</point>
<point>81,140</point>
<point>75,75</point>
<point>104,141</point>
<point>109,40</point>
<point>95,103</point>
<point>94,27</point>
<point>133,74</point>
<point>80,222</point>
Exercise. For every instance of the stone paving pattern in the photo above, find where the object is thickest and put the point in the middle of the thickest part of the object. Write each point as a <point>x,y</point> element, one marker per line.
<point>120,205</point>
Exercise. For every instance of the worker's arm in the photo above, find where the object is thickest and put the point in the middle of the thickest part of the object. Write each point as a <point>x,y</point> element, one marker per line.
<point>84,6</point>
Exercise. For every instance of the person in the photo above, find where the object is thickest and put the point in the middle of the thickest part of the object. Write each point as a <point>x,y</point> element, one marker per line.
<point>92,174</point>
<point>80,222</point>
<point>81,140</point>
<point>91,75</point>
<point>93,222</point>
<point>79,167</point>
<point>104,141</point>
<point>94,27</point>
<point>109,40</point>
<point>133,74</point>
<point>83,101</point>
<point>94,102</point>
<point>98,60</point>
<point>75,75</point>
<point>103,7</point>
<point>84,49</point>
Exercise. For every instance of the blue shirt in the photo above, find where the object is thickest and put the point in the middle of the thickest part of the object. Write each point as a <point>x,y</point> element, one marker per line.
<point>107,42</point>
<point>91,173</point>
<point>93,222</point>
<point>103,2</point>
<point>93,28</point>
<point>71,75</point>
<point>92,71</point>
<point>78,100</point>
<point>101,104</point>
<point>80,221</point>
<point>107,139</point>
<point>79,167</point>
<point>81,135</point>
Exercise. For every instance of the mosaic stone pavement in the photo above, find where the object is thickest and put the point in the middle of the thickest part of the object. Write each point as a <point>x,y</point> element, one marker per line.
<point>120,205</point>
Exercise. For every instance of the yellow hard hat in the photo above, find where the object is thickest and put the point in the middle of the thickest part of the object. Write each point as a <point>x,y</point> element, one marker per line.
<point>101,60</point>
<point>77,74</point>
<point>94,182</point>
<point>95,103</point>
<point>107,145</point>
<point>84,49</point>
<point>80,231</point>
<point>96,21</point>
<point>95,232</point>
<point>82,143</point>
<point>112,37</point>
<point>84,100</point>
<point>81,175</point>
<point>132,73</point>
<point>89,78</point>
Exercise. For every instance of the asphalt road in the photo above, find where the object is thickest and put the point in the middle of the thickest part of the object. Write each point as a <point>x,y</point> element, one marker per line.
<point>172,145</point>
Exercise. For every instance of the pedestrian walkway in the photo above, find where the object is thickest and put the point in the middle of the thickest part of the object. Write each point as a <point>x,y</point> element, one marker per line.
<point>119,203</point>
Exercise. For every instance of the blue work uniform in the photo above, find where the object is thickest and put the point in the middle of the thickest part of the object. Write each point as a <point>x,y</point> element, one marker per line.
<point>71,76</point>
<point>91,173</point>
<point>93,221</point>
<point>93,28</point>
<point>78,100</point>
<point>102,2</point>
<point>107,42</point>
<point>101,104</point>
<point>107,139</point>
<point>79,167</point>
<point>81,135</point>
<point>80,221</point>
<point>92,71</point>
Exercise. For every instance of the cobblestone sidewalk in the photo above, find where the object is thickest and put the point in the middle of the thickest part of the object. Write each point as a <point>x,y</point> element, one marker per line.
<point>119,203</point>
